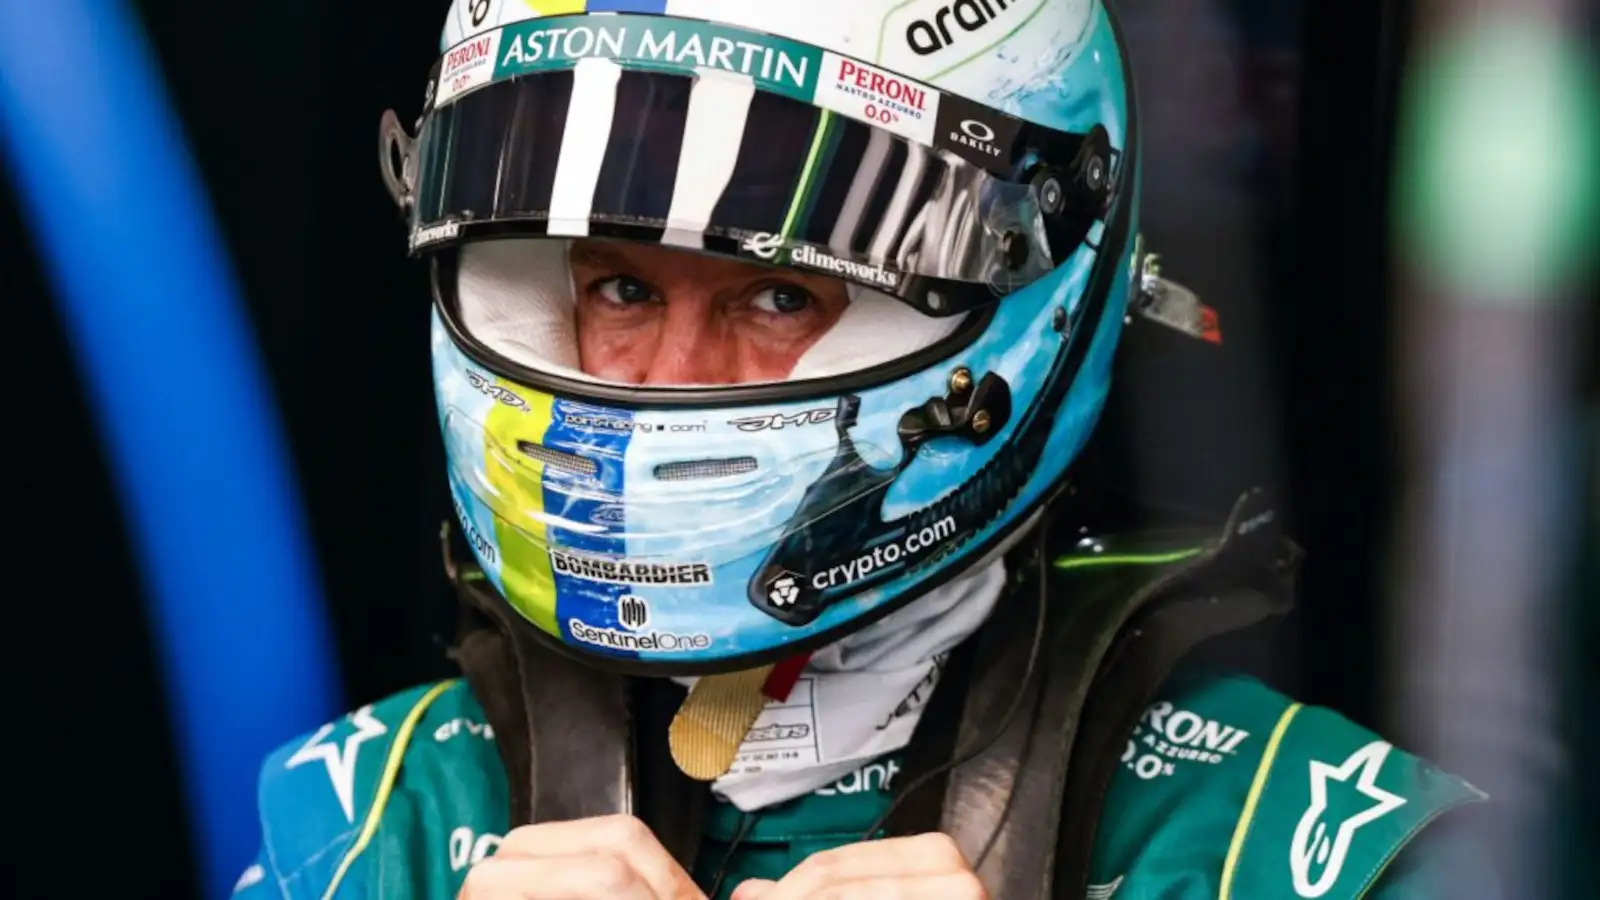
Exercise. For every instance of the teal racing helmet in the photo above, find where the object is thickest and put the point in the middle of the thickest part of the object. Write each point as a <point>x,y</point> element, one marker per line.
<point>968,169</point>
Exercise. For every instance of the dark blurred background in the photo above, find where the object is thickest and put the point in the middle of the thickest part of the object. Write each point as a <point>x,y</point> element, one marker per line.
<point>1269,137</point>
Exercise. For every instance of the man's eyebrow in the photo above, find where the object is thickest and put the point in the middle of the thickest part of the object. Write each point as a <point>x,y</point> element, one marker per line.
<point>601,255</point>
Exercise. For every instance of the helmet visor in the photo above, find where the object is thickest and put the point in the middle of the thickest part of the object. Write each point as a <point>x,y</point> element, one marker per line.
<point>747,165</point>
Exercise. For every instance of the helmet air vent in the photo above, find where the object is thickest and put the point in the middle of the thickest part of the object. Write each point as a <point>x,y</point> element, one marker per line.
<point>697,469</point>
<point>559,459</point>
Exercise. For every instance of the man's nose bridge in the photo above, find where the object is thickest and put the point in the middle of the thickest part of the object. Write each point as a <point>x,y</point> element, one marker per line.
<point>689,351</point>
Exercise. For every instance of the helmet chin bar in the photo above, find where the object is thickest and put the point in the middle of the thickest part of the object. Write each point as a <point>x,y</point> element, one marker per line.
<point>845,546</point>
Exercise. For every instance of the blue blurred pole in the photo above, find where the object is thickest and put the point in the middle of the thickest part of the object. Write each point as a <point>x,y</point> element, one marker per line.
<point>165,350</point>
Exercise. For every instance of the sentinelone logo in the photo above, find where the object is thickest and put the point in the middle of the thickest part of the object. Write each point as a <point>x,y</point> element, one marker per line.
<point>621,571</point>
<point>884,555</point>
<point>616,639</point>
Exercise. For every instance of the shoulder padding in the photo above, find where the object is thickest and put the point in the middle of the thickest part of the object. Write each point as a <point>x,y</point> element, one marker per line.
<point>316,793</point>
<point>1235,785</point>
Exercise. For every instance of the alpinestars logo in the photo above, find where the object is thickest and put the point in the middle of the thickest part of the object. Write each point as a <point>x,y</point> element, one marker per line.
<point>633,612</point>
<point>784,590</point>
<point>1324,843</point>
<point>769,246</point>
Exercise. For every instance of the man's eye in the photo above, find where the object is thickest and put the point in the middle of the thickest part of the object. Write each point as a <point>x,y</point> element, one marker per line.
<point>783,299</point>
<point>625,290</point>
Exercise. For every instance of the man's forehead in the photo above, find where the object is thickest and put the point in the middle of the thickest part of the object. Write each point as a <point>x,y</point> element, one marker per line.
<point>624,255</point>
<point>614,253</point>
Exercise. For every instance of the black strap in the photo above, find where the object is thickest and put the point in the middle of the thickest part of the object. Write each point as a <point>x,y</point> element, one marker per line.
<point>675,806</point>
<point>1143,659</point>
<point>1247,580</point>
<point>924,772</point>
<point>1025,797</point>
<point>566,732</point>
<point>490,669</point>
<point>930,758</point>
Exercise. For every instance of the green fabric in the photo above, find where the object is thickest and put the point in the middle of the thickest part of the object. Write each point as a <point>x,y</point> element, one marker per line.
<point>449,807</point>
<point>1337,804</point>
<point>1171,816</point>
<point>446,808</point>
<point>779,837</point>
<point>1439,865</point>
<point>1178,805</point>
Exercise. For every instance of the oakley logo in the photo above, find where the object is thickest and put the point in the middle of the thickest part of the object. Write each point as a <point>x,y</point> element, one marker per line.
<point>978,131</point>
<point>975,136</point>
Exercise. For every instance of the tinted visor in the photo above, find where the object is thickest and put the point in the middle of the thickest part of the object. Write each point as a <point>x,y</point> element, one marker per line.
<point>709,162</point>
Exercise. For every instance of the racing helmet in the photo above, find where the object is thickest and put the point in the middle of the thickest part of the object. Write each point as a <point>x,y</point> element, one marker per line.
<point>968,169</point>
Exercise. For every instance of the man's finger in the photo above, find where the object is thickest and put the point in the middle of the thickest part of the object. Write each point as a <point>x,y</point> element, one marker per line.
<point>902,858</point>
<point>624,836</point>
<point>948,886</point>
<point>597,877</point>
<point>753,889</point>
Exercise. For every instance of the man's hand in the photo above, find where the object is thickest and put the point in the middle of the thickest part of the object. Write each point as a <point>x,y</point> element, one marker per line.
<point>928,865</point>
<point>605,858</point>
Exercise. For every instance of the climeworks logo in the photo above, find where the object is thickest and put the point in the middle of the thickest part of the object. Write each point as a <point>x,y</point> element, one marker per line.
<point>771,247</point>
<point>435,233</point>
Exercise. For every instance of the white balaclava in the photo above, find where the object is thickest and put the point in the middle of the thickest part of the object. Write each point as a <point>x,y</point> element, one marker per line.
<point>516,297</point>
